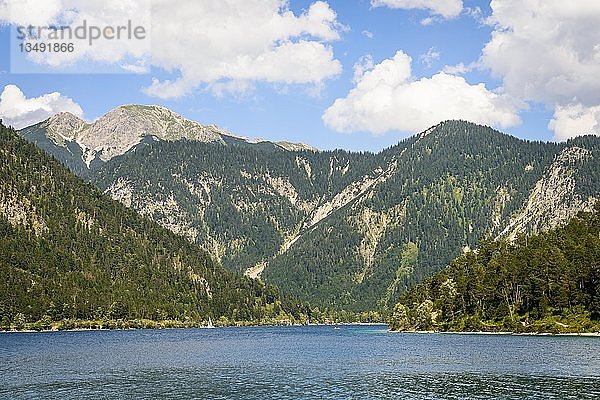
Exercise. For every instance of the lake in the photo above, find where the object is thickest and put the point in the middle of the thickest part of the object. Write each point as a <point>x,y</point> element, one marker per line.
<point>314,362</point>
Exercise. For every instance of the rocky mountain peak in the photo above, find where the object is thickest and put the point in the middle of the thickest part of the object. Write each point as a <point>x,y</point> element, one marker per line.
<point>64,126</point>
<point>122,128</point>
<point>296,146</point>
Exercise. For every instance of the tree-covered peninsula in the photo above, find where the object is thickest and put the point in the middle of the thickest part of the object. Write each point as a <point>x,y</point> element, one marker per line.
<point>541,283</point>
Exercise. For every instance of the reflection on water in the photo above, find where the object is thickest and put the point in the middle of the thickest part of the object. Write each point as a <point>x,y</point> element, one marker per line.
<point>362,362</point>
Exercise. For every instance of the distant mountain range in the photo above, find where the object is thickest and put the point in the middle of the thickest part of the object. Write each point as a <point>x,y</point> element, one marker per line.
<point>340,230</point>
<point>83,144</point>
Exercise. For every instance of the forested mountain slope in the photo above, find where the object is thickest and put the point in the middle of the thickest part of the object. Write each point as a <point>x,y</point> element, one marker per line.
<point>543,283</point>
<point>447,189</point>
<point>344,230</point>
<point>69,252</point>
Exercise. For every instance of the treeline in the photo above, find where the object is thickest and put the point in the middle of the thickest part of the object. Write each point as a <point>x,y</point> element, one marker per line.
<point>69,253</point>
<point>542,283</point>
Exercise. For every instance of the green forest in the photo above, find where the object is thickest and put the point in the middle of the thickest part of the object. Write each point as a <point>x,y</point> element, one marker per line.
<point>71,257</point>
<point>541,283</point>
<point>438,193</point>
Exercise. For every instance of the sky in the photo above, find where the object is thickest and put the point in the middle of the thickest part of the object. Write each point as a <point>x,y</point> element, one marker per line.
<point>358,75</point>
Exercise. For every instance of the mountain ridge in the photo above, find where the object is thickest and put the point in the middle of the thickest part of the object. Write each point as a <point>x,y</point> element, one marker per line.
<point>332,227</point>
<point>125,126</point>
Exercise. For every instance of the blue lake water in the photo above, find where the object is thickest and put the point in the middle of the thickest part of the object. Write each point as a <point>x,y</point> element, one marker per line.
<point>354,362</point>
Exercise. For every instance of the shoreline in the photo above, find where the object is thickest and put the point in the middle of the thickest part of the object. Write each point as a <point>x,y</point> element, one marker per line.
<point>54,329</point>
<point>581,334</point>
<point>585,334</point>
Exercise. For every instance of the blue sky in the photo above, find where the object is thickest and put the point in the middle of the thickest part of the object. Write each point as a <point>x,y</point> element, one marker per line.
<point>291,106</point>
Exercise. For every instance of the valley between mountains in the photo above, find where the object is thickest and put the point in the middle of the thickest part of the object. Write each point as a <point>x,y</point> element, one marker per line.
<point>335,229</point>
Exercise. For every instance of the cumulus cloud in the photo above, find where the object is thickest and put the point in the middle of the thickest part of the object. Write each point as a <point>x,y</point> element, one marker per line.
<point>549,51</point>
<point>19,111</point>
<point>574,120</point>
<point>445,8</point>
<point>257,40</point>
<point>387,98</point>
<point>546,51</point>
<point>26,12</point>
<point>543,51</point>
<point>220,44</point>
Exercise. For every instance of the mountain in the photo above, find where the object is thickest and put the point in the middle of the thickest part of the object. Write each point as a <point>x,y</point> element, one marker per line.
<point>341,230</point>
<point>442,191</point>
<point>82,145</point>
<point>543,283</point>
<point>67,252</point>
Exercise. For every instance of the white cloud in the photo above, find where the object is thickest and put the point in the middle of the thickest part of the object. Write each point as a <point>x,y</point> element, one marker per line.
<point>214,44</point>
<point>546,50</point>
<point>387,98</point>
<point>257,40</point>
<point>428,21</point>
<point>476,13</point>
<point>18,111</point>
<point>460,68</point>
<point>445,8</point>
<point>368,34</point>
<point>139,67</point>
<point>429,57</point>
<point>363,65</point>
<point>574,120</point>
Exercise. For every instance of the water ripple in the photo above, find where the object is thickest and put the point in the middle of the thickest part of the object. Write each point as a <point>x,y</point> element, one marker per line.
<point>296,363</point>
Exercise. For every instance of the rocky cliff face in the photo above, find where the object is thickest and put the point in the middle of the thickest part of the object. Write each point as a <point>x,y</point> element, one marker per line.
<point>554,198</point>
